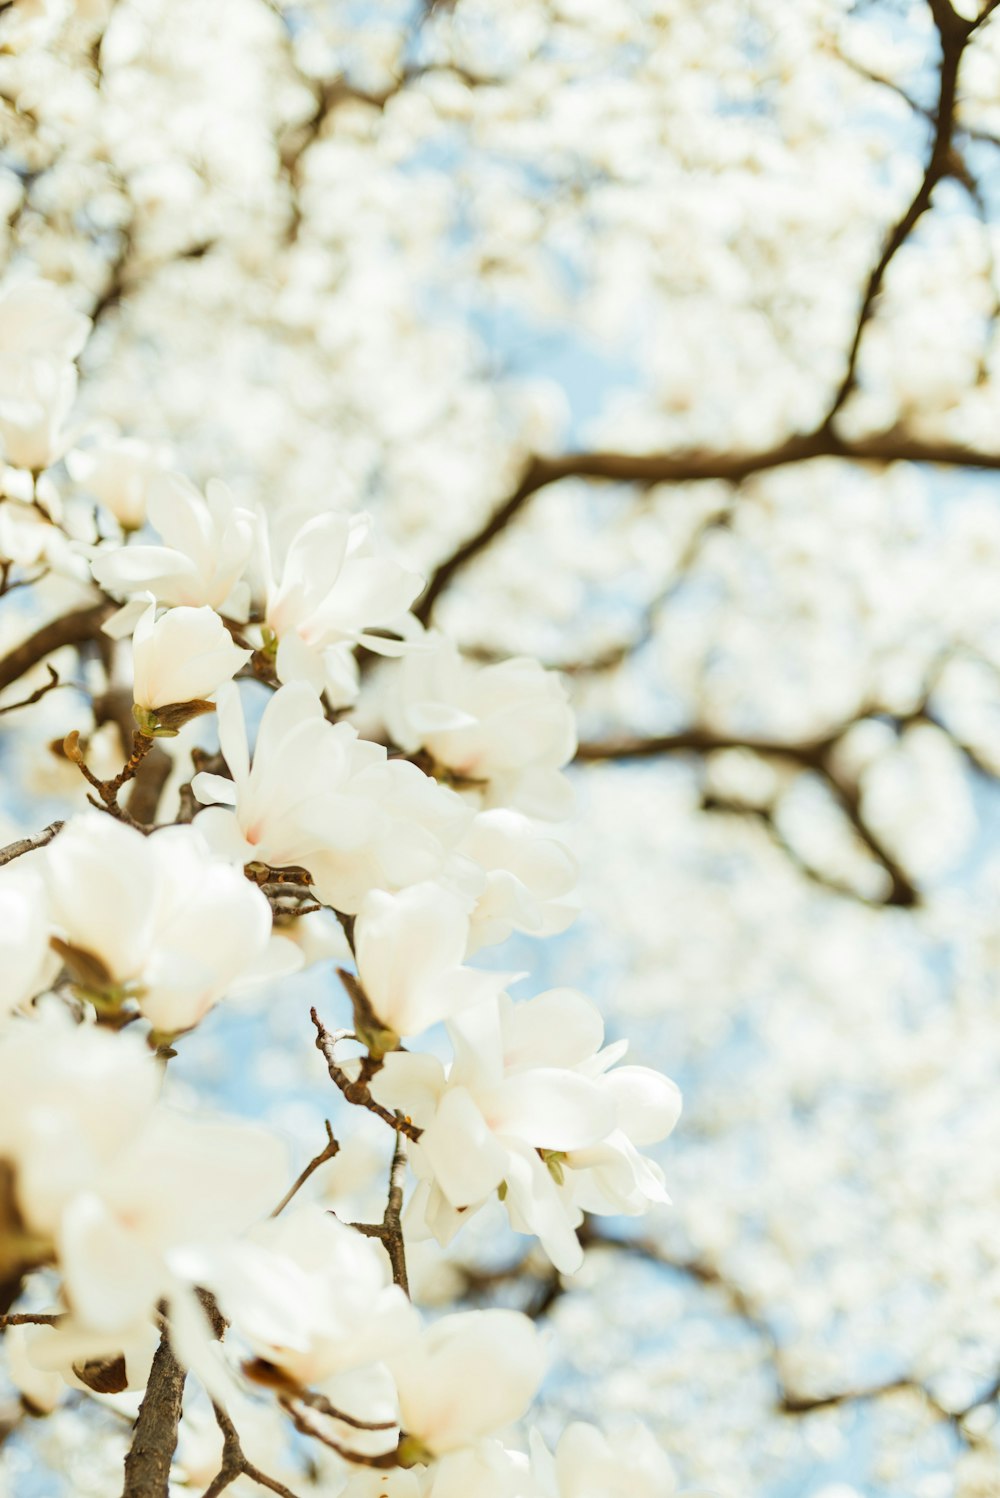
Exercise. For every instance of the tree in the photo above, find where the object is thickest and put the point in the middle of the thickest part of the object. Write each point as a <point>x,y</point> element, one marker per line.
<point>750,255</point>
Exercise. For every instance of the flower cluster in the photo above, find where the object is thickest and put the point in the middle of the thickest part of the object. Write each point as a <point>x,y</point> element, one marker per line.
<point>190,878</point>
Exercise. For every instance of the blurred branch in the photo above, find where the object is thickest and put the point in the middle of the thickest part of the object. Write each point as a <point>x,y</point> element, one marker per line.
<point>892,446</point>
<point>75,628</point>
<point>815,755</point>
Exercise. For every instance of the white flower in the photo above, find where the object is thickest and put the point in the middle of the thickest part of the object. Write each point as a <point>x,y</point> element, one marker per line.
<point>629,1463</point>
<point>27,964</point>
<point>156,919</point>
<point>119,473</point>
<point>33,412</point>
<point>409,949</point>
<point>529,1108</point>
<point>509,724</point>
<point>467,1376</point>
<point>182,657</point>
<point>318,797</point>
<point>311,1297</point>
<point>488,1470</point>
<point>208,543</point>
<point>132,1237</point>
<point>69,1097</point>
<point>37,321</point>
<point>529,875</point>
<point>334,594</point>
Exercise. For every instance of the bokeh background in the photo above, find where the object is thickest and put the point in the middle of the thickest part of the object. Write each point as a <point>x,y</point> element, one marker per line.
<point>663,335</point>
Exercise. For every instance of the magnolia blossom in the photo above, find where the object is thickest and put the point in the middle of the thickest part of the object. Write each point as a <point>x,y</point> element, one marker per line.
<point>37,322</point>
<point>335,593</point>
<point>33,412</point>
<point>119,474</point>
<point>530,1108</point>
<point>311,1297</point>
<point>27,963</point>
<point>206,547</point>
<point>629,1463</point>
<point>409,949</point>
<point>466,1377</point>
<point>489,1470</point>
<point>508,724</point>
<point>156,919</point>
<point>317,797</point>
<point>529,878</point>
<point>180,658</point>
<point>112,1185</point>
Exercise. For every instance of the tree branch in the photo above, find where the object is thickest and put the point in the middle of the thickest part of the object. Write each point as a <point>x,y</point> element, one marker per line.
<point>690,467</point>
<point>29,844</point>
<point>75,628</point>
<point>147,1465</point>
<point>236,1465</point>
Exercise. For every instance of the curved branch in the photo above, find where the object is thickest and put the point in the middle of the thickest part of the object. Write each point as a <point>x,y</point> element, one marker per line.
<point>692,467</point>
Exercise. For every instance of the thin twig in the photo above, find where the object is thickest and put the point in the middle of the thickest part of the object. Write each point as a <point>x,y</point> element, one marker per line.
<point>29,844</point>
<point>328,1151</point>
<point>235,1464</point>
<point>354,1089</point>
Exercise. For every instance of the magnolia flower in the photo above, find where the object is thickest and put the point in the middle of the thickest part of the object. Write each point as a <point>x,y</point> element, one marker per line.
<point>409,949</point>
<point>530,1109</point>
<point>27,964</point>
<point>509,724</point>
<point>311,1297</point>
<point>207,546</point>
<point>33,412</point>
<point>177,661</point>
<point>69,1096</point>
<point>626,1464</point>
<point>317,797</point>
<point>465,1377</point>
<point>133,1237</point>
<point>334,594</point>
<point>119,474</point>
<point>156,919</point>
<point>528,877</point>
<point>37,321</point>
<point>488,1470</point>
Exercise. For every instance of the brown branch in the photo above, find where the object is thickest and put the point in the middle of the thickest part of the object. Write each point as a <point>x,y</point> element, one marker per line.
<point>76,628</point>
<point>36,696</point>
<point>235,1463</point>
<point>812,755</point>
<point>355,1090</point>
<point>328,1151</point>
<point>691,467</point>
<point>108,790</point>
<point>389,1231</point>
<point>953,33</point>
<point>29,844</point>
<point>147,1464</point>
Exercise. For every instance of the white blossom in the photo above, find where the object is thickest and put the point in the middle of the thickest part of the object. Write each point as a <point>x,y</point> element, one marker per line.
<point>185,656</point>
<point>530,1108</point>
<point>26,962</point>
<point>311,1297</point>
<point>410,948</point>
<point>335,593</point>
<point>317,796</point>
<point>207,544</point>
<point>467,1376</point>
<point>508,724</point>
<point>156,919</point>
<point>119,472</point>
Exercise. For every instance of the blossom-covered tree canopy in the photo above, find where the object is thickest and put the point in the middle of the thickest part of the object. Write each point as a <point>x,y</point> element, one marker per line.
<point>475,473</point>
